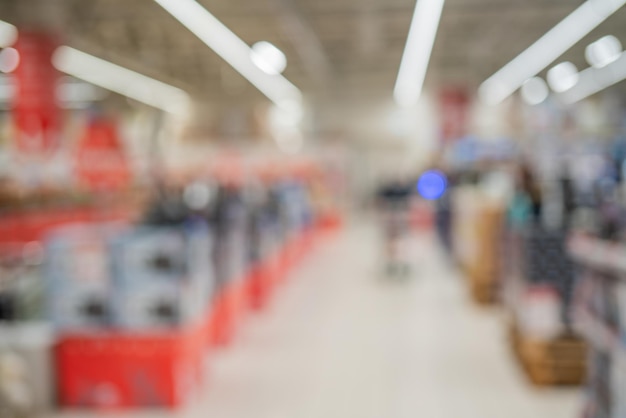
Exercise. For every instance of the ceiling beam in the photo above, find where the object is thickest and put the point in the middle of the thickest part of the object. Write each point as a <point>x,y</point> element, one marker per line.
<point>305,42</point>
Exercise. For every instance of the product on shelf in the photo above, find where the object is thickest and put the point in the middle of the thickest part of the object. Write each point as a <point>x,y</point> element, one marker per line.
<point>476,245</point>
<point>78,276</point>
<point>21,284</point>
<point>600,314</point>
<point>135,306</point>
<point>26,369</point>
<point>162,277</point>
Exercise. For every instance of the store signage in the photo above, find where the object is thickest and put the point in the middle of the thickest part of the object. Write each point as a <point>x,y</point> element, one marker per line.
<point>101,162</point>
<point>454,111</point>
<point>36,114</point>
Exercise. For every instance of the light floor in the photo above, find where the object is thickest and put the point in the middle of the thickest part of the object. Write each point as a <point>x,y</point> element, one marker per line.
<point>341,341</point>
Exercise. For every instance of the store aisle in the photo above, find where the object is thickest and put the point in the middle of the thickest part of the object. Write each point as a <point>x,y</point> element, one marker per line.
<point>341,341</point>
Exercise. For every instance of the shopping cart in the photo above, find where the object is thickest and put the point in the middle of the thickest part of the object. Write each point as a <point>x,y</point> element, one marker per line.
<point>396,226</point>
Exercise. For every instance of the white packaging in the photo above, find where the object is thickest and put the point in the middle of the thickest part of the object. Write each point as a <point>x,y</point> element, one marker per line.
<point>539,313</point>
<point>77,274</point>
<point>26,372</point>
<point>163,277</point>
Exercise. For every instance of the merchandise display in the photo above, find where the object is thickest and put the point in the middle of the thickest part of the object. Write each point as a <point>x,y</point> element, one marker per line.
<point>601,317</point>
<point>236,209</point>
<point>27,370</point>
<point>539,273</point>
<point>136,307</point>
<point>21,284</point>
<point>163,277</point>
<point>78,278</point>
<point>476,240</point>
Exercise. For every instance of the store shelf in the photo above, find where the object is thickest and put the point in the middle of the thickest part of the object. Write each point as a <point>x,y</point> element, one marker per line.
<point>599,254</point>
<point>599,335</point>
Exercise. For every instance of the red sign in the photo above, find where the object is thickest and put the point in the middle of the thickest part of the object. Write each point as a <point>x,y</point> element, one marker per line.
<point>101,162</point>
<point>35,110</point>
<point>454,109</point>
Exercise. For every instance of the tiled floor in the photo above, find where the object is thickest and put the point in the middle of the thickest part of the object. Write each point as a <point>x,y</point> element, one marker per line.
<point>341,341</point>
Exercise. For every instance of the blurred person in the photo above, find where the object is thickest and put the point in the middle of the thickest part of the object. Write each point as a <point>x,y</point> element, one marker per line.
<point>393,202</point>
<point>166,206</point>
<point>444,215</point>
<point>526,204</point>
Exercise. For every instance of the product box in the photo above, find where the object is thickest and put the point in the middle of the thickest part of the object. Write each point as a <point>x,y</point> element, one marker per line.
<point>21,282</point>
<point>538,313</point>
<point>230,251</point>
<point>26,372</point>
<point>295,206</point>
<point>77,272</point>
<point>163,277</point>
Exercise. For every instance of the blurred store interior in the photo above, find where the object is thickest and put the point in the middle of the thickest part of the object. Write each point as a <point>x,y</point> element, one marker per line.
<point>312,208</point>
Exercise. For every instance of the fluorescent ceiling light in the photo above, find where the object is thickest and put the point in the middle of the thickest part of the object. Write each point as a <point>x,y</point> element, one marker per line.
<point>231,48</point>
<point>419,45</point>
<point>268,58</point>
<point>121,80</point>
<point>534,91</point>
<point>8,34</point>
<point>603,51</point>
<point>563,77</point>
<point>70,93</point>
<point>592,80</point>
<point>548,48</point>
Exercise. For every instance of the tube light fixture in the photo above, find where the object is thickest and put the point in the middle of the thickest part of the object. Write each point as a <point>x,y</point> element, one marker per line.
<point>563,77</point>
<point>121,80</point>
<point>547,48</point>
<point>603,51</point>
<point>231,48</point>
<point>268,58</point>
<point>593,80</point>
<point>534,91</point>
<point>417,52</point>
<point>70,93</point>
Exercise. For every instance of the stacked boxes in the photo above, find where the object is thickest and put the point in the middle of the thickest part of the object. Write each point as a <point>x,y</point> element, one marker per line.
<point>230,233</point>
<point>601,312</point>
<point>21,287</point>
<point>26,372</point>
<point>146,291</point>
<point>136,279</point>
<point>77,271</point>
<point>162,277</point>
<point>543,262</point>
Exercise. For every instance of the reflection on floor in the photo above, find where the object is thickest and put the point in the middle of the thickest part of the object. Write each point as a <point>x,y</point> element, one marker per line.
<point>342,341</point>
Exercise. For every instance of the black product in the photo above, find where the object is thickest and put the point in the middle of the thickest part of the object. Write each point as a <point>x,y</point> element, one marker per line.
<point>545,261</point>
<point>166,208</point>
<point>96,309</point>
<point>229,224</point>
<point>260,217</point>
<point>168,265</point>
<point>8,306</point>
<point>395,194</point>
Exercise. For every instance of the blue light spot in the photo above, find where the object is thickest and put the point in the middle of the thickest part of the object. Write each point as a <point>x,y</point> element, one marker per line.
<point>432,184</point>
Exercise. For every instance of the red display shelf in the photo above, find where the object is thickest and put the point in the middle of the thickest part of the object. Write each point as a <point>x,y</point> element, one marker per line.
<point>112,371</point>
<point>24,227</point>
